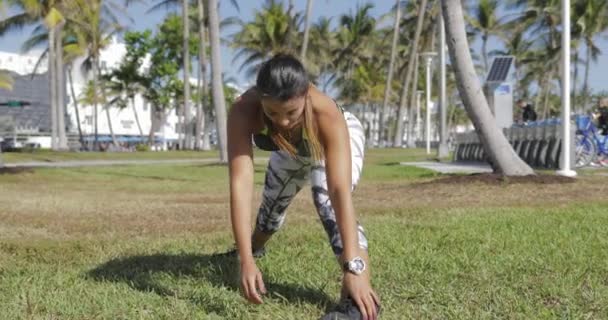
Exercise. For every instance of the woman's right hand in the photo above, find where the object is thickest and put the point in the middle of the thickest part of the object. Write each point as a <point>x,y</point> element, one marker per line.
<point>252,284</point>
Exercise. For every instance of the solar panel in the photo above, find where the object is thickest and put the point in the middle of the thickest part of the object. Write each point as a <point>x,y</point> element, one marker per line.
<point>500,69</point>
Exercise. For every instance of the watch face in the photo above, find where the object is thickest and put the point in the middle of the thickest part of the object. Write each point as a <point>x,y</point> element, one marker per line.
<point>356,265</point>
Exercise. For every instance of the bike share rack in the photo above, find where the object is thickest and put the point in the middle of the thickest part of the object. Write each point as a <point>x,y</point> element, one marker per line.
<point>537,143</point>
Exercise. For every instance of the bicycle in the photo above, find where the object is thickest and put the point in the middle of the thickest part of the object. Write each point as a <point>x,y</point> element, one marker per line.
<point>590,145</point>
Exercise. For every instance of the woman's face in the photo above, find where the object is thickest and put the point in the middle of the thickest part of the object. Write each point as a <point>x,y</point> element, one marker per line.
<point>284,114</point>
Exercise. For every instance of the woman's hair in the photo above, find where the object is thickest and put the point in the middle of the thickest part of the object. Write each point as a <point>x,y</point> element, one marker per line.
<point>281,78</point>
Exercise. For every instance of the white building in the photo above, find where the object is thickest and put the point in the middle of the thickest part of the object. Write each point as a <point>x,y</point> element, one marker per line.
<point>22,64</point>
<point>123,121</point>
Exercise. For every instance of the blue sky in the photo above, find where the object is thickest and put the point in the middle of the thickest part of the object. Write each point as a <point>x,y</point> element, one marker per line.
<point>143,20</point>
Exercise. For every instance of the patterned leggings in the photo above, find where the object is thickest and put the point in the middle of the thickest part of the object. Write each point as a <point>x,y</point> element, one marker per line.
<point>287,175</point>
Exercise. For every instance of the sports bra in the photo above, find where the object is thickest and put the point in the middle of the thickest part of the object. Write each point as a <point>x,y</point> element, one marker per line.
<point>264,141</point>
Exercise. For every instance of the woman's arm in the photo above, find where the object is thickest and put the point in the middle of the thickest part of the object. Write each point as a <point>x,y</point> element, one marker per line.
<point>241,121</point>
<point>335,139</point>
<point>333,132</point>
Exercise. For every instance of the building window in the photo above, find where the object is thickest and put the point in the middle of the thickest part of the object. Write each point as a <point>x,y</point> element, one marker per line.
<point>126,123</point>
<point>88,120</point>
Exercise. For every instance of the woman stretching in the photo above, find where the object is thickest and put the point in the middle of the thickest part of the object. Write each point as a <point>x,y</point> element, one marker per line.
<point>310,138</point>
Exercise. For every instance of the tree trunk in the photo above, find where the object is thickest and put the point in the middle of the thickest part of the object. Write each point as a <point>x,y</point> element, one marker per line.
<point>574,77</point>
<point>389,77</point>
<point>53,88</point>
<point>153,125</point>
<point>216,75</point>
<point>306,30</point>
<point>484,52</point>
<point>60,85</point>
<point>201,119</point>
<point>398,139</point>
<point>141,132</point>
<point>186,53</point>
<point>102,91</point>
<point>586,81</point>
<point>546,90</point>
<point>76,111</point>
<point>503,158</point>
<point>411,138</point>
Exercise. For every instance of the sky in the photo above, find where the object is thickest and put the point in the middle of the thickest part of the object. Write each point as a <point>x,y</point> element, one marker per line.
<point>143,20</point>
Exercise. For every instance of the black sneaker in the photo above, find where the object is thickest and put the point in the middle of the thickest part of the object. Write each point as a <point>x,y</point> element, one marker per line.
<point>345,310</point>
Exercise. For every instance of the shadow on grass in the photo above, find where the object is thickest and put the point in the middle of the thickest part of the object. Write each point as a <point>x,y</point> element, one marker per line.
<point>220,270</point>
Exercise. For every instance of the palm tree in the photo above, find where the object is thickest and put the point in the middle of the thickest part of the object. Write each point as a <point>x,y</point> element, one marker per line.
<point>398,138</point>
<point>96,23</point>
<point>201,142</point>
<point>593,22</point>
<point>270,32</point>
<point>391,66</point>
<point>49,13</point>
<point>502,157</point>
<point>216,77</point>
<point>306,30</point>
<point>485,22</point>
<point>186,62</point>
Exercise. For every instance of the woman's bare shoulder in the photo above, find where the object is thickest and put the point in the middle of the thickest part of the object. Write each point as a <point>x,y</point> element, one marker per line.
<point>246,109</point>
<point>323,105</point>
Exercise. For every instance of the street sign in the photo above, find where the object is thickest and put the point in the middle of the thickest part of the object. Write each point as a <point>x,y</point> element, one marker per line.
<point>15,103</point>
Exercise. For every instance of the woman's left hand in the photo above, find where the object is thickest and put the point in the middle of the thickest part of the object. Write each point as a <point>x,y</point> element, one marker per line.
<point>360,290</point>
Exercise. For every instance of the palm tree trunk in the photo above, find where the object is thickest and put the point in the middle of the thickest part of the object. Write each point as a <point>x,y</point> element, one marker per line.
<point>546,93</point>
<point>389,77</point>
<point>107,104</point>
<point>306,30</point>
<point>53,88</point>
<point>503,158</point>
<point>398,139</point>
<point>199,107</point>
<point>186,53</point>
<point>216,75</point>
<point>60,79</point>
<point>586,81</point>
<point>484,52</point>
<point>574,79</point>
<point>201,119</point>
<point>75,100</point>
<point>411,138</point>
<point>135,113</point>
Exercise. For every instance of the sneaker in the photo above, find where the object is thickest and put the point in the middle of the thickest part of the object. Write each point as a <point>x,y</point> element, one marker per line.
<point>345,310</point>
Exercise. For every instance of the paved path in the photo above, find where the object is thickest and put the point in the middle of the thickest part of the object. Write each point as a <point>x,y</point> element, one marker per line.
<point>96,163</point>
<point>452,167</point>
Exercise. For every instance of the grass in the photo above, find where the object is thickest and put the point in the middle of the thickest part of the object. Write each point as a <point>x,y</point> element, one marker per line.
<point>141,242</point>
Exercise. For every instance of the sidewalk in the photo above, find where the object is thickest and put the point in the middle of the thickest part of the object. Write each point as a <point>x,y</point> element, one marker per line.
<point>452,167</point>
<point>99,163</point>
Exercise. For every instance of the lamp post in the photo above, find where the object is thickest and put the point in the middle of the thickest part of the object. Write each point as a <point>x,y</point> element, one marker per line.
<point>429,61</point>
<point>418,118</point>
<point>565,163</point>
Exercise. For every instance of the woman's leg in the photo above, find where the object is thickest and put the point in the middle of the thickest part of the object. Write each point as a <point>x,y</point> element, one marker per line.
<point>285,177</point>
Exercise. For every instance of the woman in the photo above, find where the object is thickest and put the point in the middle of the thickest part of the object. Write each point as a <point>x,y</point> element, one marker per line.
<point>310,137</point>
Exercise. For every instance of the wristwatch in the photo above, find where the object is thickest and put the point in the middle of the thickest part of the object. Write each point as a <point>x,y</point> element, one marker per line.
<point>356,265</point>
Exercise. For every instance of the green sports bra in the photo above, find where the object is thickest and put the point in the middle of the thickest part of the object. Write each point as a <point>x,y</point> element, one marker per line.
<point>263,140</point>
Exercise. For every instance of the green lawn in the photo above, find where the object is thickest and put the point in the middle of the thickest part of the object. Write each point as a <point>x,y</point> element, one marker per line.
<point>141,242</point>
